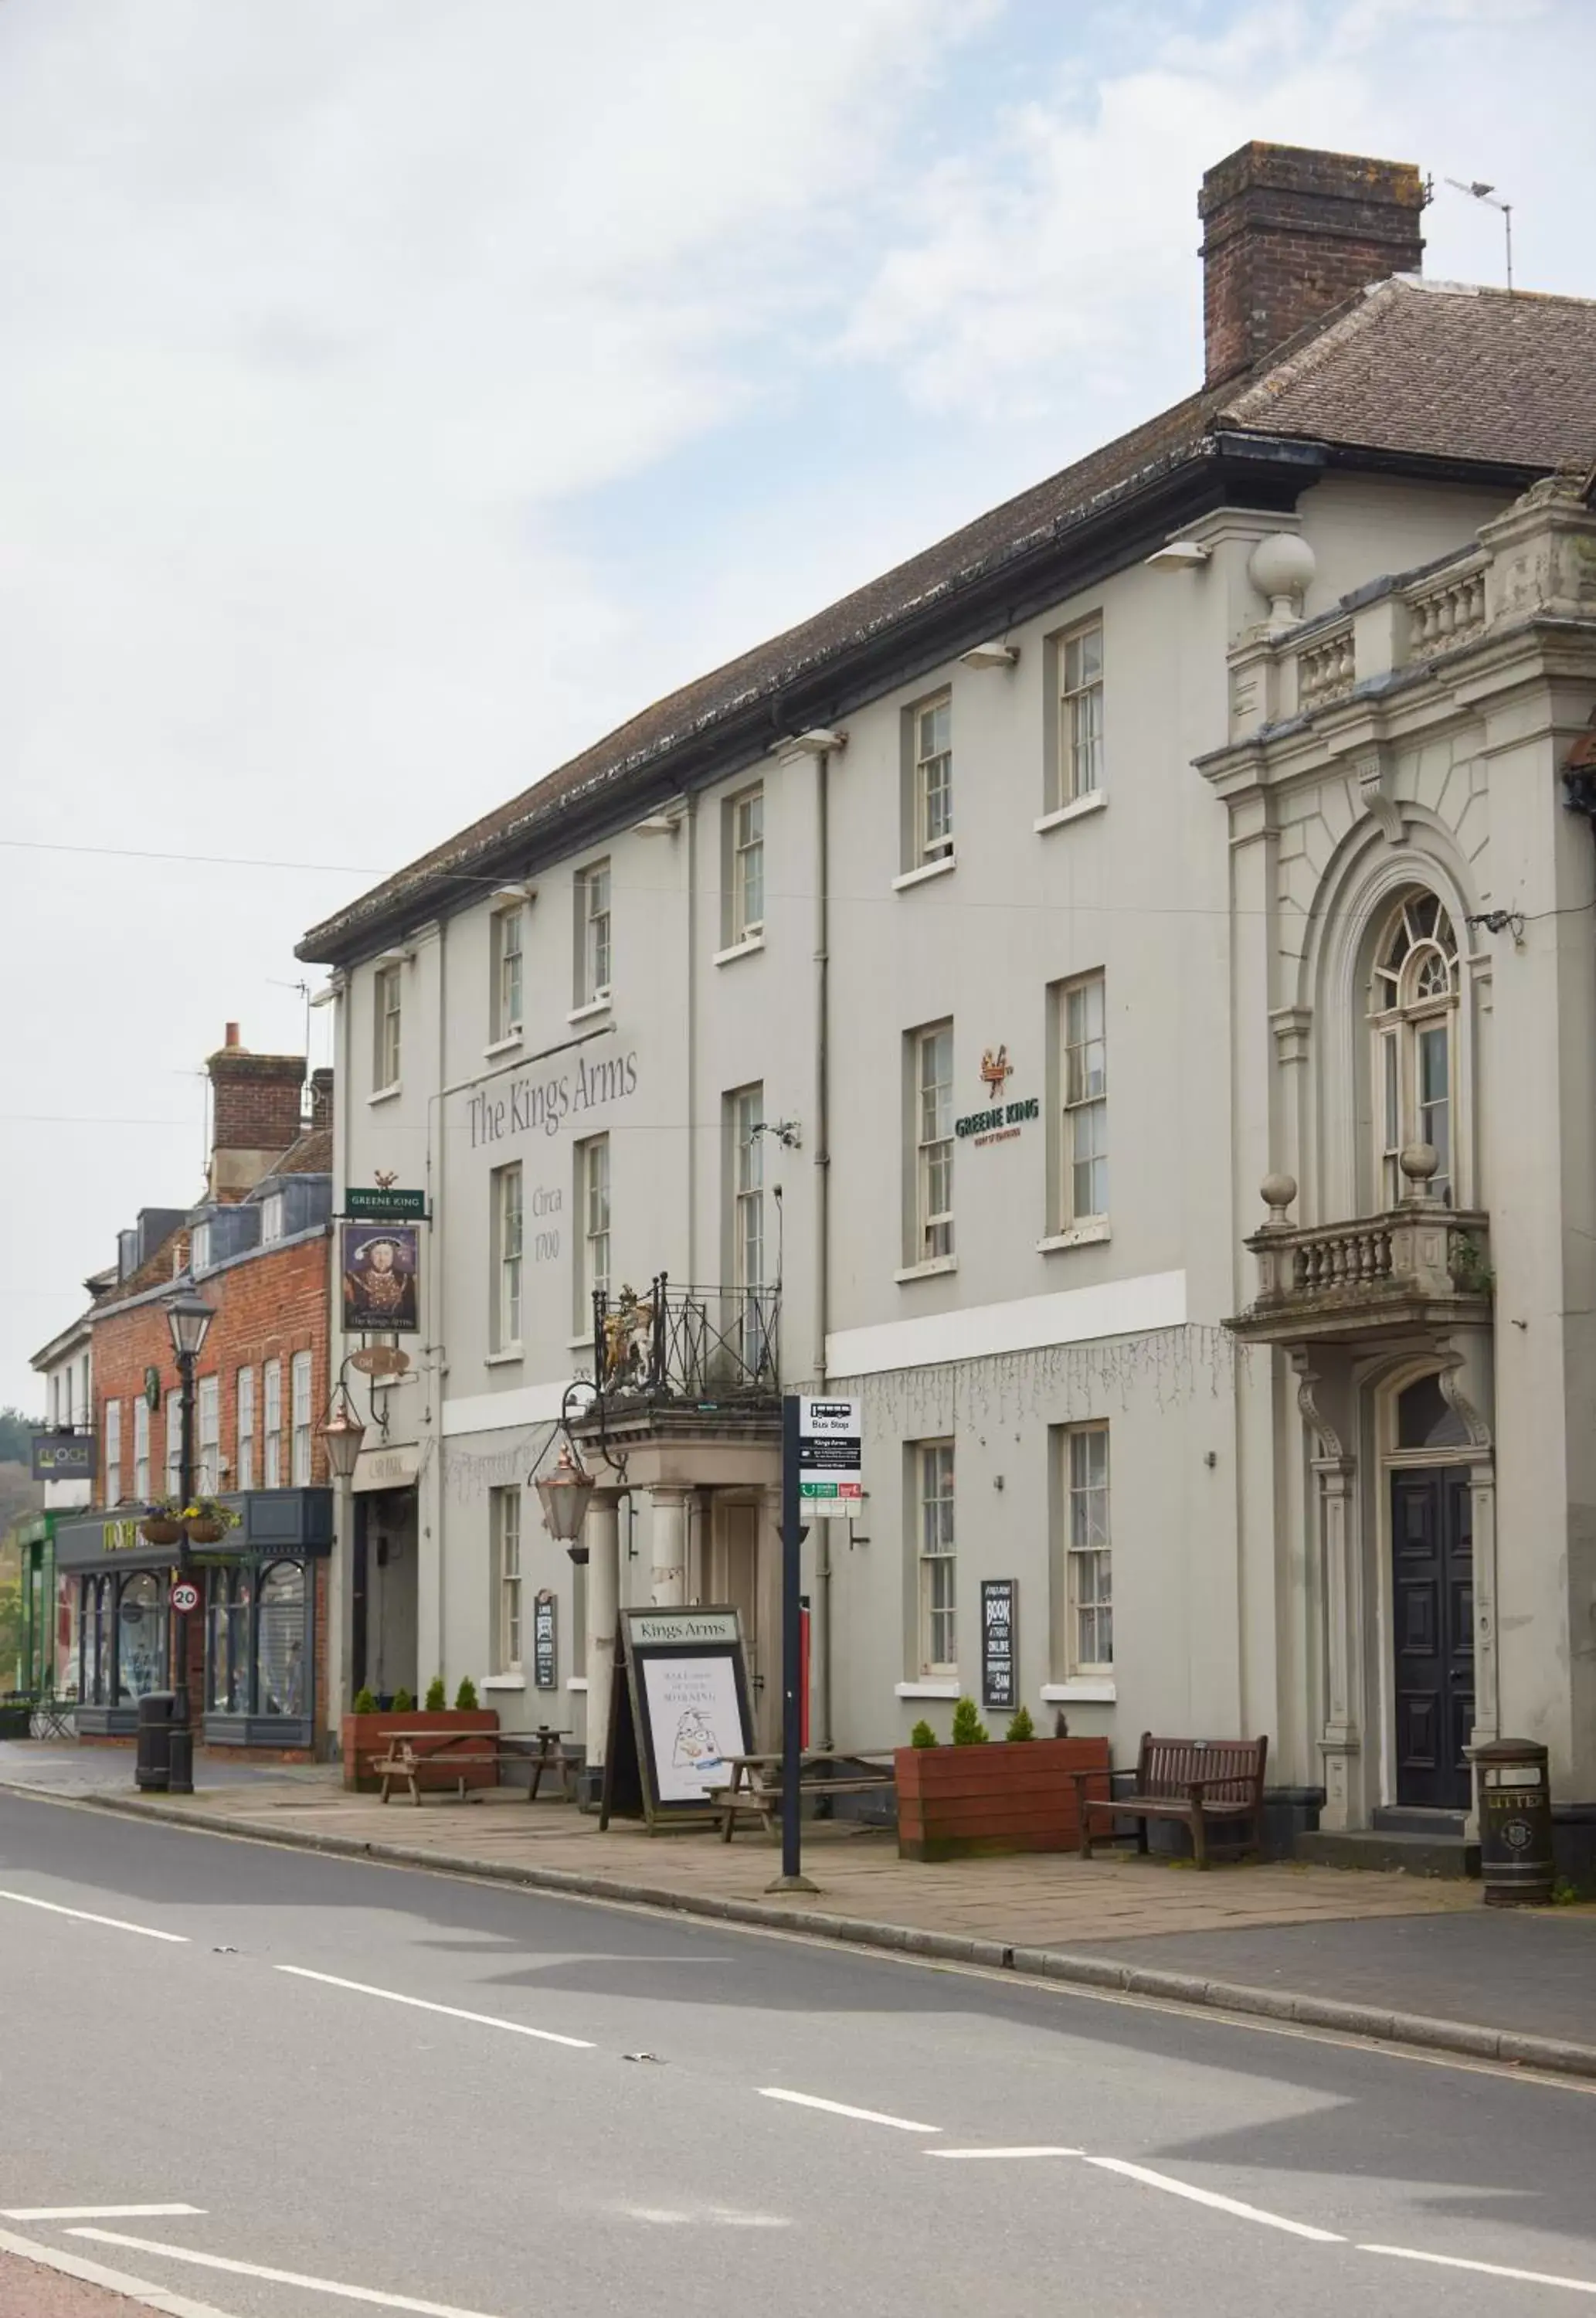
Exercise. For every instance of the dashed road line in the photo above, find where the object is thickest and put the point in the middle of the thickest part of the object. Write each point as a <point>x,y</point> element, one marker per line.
<point>1486,2268</point>
<point>1145,2174</point>
<point>449,2011</point>
<point>95,2212</point>
<point>843,2108</point>
<point>82,1916</point>
<point>284,2277</point>
<point>979,2153</point>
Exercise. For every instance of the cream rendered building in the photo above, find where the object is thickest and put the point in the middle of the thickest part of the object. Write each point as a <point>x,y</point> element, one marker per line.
<point>923,983</point>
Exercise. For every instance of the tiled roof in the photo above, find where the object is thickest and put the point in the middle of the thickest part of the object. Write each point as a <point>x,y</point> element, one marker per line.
<point>312,1155</point>
<point>1404,370</point>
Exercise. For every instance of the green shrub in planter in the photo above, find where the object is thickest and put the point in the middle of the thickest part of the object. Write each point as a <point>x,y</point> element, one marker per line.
<point>1022,1725</point>
<point>465,1697</point>
<point>922,1735</point>
<point>403,1703</point>
<point>968,1729</point>
<point>364,1703</point>
<point>437,1697</point>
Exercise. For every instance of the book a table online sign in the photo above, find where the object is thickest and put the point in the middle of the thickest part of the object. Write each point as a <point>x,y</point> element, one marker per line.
<point>831,1474</point>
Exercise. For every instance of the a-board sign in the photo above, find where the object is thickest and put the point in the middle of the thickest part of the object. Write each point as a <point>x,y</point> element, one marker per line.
<point>1000,1602</point>
<point>543,1665</point>
<point>831,1474</point>
<point>679,1706</point>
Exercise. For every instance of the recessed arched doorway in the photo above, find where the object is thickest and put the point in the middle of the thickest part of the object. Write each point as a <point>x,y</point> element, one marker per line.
<point>1429,1472</point>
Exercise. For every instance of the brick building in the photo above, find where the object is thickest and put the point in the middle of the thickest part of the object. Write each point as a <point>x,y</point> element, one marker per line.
<point>255,1248</point>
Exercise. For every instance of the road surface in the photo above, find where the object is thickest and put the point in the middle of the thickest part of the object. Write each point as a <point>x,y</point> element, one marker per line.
<point>311,2085</point>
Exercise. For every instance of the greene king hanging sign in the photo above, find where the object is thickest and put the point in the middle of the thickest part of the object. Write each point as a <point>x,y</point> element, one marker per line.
<point>830,1479</point>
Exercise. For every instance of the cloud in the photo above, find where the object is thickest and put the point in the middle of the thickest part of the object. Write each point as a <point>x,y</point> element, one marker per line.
<point>1049,267</point>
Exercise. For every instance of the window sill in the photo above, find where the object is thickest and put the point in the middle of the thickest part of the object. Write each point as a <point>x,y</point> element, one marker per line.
<point>927,869</point>
<point>582,1344</point>
<point>1083,1690</point>
<point>511,1354</point>
<point>589,1009</point>
<point>511,1039</point>
<point>578,1682</point>
<point>929,1686</point>
<point>504,1681</point>
<point>932,1266</point>
<point>1088,1235</point>
<point>386,1094</point>
<point>386,1383</point>
<point>1082,806</point>
<point>744,948</point>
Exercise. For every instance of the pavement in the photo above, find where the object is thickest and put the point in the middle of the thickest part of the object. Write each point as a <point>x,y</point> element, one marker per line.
<point>263,2083</point>
<point>1401,1958</point>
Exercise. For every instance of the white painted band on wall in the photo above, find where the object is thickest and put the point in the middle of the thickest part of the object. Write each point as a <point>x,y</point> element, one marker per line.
<point>1075,1315</point>
<point>500,1412</point>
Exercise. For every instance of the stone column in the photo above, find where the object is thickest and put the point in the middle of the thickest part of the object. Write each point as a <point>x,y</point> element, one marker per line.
<point>603,1534</point>
<point>1342,1743</point>
<point>668,1529</point>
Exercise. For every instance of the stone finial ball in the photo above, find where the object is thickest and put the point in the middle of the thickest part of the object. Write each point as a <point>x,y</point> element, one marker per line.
<point>1419,1161</point>
<point>1282,565</point>
<point>1279,1191</point>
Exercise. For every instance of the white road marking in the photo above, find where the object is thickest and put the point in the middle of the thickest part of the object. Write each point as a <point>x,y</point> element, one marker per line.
<point>841,2108</point>
<point>1212,2198</point>
<point>115,2281</point>
<point>94,2213</point>
<point>82,1916</point>
<point>716,2217</point>
<point>449,2011</point>
<point>1004,2152</point>
<point>284,2277</point>
<point>1489,2268</point>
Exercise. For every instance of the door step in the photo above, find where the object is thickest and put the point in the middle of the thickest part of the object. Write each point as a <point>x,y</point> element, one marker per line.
<point>1386,1849</point>
<point>1409,1819</point>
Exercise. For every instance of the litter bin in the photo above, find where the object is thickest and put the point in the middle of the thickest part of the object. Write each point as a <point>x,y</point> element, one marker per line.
<point>1516,1862</point>
<point>153,1765</point>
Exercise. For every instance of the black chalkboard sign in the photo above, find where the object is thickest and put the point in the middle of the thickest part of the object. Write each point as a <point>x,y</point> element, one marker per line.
<point>679,1706</point>
<point>999,1679</point>
<point>543,1666</point>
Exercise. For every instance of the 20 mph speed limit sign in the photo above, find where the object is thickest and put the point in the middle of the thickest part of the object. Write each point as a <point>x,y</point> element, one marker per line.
<point>185,1598</point>
<point>830,1479</point>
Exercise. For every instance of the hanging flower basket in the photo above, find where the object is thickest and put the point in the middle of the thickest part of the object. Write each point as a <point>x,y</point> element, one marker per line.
<point>161,1529</point>
<point>207,1521</point>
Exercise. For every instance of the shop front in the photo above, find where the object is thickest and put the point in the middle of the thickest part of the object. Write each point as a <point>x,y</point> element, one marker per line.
<point>43,1664</point>
<point>265,1610</point>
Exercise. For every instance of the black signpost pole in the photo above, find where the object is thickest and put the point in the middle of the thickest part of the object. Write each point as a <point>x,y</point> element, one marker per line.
<point>792,1877</point>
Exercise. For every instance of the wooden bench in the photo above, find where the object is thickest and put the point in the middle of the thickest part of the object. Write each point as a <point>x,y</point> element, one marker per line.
<point>753,1794</point>
<point>1197,1781</point>
<point>404,1763</point>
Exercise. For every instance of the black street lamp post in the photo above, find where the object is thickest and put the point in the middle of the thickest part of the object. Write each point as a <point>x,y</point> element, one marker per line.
<point>189,1317</point>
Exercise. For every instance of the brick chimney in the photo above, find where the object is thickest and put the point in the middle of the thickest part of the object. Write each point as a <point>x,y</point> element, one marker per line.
<point>1288,233</point>
<point>321,1097</point>
<point>254,1111</point>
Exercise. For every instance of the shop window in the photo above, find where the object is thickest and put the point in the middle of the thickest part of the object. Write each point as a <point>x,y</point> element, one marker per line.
<point>228,1653</point>
<point>94,1640</point>
<point>280,1641</point>
<point>141,1637</point>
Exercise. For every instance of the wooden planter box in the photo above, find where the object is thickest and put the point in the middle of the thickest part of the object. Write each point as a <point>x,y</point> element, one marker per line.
<point>367,1735</point>
<point>954,1802</point>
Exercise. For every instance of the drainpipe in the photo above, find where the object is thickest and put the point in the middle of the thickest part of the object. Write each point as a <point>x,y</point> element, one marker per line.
<point>434,1202</point>
<point>822,1202</point>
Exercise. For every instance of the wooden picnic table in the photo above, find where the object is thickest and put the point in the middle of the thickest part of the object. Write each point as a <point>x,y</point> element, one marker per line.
<point>411,1752</point>
<point>752,1794</point>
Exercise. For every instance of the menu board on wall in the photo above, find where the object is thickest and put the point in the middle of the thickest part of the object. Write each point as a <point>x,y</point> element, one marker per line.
<point>544,1662</point>
<point>999,1681</point>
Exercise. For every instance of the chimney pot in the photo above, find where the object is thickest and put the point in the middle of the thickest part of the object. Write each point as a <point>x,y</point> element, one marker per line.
<point>231,1038</point>
<point>1289,233</point>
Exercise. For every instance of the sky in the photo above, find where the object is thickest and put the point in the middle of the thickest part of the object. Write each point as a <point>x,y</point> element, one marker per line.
<point>399,394</point>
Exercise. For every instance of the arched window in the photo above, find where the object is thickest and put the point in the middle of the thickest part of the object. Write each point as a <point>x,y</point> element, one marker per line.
<point>1414,1013</point>
<point>280,1647</point>
<point>141,1637</point>
<point>229,1641</point>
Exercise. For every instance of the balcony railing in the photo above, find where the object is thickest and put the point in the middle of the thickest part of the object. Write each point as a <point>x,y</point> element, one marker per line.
<point>1349,1280</point>
<point>705,1345</point>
